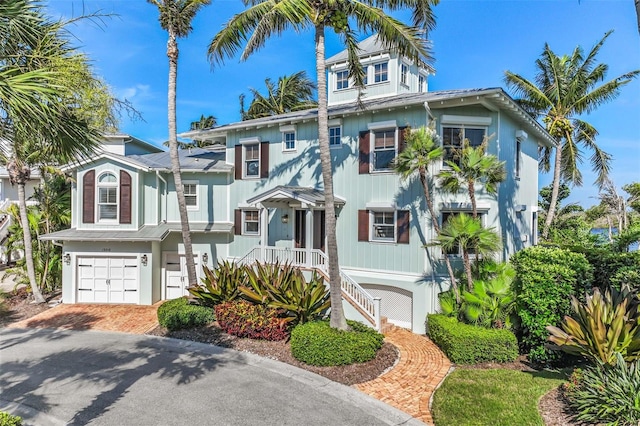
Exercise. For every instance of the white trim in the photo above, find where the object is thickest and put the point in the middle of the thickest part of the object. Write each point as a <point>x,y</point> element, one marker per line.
<point>245,145</point>
<point>107,185</point>
<point>521,135</point>
<point>250,141</point>
<point>465,120</point>
<point>284,141</point>
<point>462,207</point>
<point>243,230</point>
<point>335,122</point>
<point>287,128</point>
<point>381,206</point>
<point>382,125</point>
<point>374,239</point>
<point>339,126</point>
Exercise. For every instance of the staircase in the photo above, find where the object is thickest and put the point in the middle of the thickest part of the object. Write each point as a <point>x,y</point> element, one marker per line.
<point>359,298</point>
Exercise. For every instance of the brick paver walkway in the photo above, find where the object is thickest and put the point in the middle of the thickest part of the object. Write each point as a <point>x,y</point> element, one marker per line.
<point>410,384</point>
<point>133,319</point>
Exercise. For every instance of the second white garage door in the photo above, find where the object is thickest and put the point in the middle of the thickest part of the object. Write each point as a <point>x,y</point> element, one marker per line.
<point>108,279</point>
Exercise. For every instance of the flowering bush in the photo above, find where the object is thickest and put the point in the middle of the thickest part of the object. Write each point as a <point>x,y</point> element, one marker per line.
<point>244,319</point>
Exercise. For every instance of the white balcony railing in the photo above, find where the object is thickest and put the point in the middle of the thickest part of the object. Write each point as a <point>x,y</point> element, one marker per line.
<point>368,305</point>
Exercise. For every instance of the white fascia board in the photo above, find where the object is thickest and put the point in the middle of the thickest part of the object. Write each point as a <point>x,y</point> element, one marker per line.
<point>465,119</point>
<point>250,141</point>
<point>287,128</point>
<point>382,125</point>
<point>381,206</point>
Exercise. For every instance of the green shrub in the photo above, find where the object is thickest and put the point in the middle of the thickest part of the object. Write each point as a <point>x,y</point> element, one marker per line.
<point>601,327</point>
<point>546,278</point>
<point>244,319</point>
<point>221,284</point>
<point>179,313</point>
<point>612,268</point>
<point>605,394</point>
<point>469,344</point>
<point>316,343</point>
<point>7,419</point>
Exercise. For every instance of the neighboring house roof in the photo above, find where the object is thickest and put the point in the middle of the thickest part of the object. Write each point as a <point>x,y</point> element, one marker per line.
<point>312,196</point>
<point>146,233</point>
<point>133,140</point>
<point>494,98</point>
<point>191,160</point>
<point>370,46</point>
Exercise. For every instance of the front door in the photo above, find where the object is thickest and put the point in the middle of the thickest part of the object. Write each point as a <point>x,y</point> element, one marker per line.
<point>300,234</point>
<point>318,230</point>
<point>176,278</point>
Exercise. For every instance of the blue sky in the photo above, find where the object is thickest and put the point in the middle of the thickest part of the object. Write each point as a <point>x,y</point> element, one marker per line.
<point>475,41</point>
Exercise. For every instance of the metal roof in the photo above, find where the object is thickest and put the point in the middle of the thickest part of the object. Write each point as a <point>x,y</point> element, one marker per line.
<point>145,233</point>
<point>494,97</point>
<point>191,160</point>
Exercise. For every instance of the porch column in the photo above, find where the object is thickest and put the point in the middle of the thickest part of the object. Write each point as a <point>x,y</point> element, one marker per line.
<point>309,236</point>
<point>264,232</point>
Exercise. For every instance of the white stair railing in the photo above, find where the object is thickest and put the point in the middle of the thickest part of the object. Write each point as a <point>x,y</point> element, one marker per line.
<point>368,305</point>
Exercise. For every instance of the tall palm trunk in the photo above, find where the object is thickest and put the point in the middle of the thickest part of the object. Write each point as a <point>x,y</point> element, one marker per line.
<point>172,54</point>
<point>467,268</point>
<point>472,196</point>
<point>28,247</point>
<point>337,312</point>
<point>436,227</point>
<point>557,167</point>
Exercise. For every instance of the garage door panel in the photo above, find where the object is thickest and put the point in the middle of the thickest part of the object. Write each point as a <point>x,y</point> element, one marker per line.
<point>107,279</point>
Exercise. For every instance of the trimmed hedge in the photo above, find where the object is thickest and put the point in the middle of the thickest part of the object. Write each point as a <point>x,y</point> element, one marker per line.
<point>178,313</point>
<point>244,319</point>
<point>469,344</point>
<point>7,419</point>
<point>316,343</point>
<point>546,278</point>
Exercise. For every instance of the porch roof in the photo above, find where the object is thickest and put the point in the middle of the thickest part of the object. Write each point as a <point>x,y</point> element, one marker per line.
<point>311,196</point>
<point>146,233</point>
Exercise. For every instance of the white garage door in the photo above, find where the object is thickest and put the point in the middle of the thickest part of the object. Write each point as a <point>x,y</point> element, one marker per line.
<point>395,303</point>
<point>176,278</point>
<point>107,279</point>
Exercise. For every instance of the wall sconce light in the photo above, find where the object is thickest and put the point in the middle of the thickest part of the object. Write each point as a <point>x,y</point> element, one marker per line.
<point>205,258</point>
<point>285,218</point>
<point>144,260</point>
<point>67,259</point>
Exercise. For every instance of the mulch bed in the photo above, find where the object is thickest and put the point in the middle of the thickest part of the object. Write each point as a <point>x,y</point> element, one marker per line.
<point>16,306</point>
<point>281,351</point>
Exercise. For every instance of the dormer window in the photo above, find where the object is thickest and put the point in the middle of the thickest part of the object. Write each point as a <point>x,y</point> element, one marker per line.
<point>381,72</point>
<point>342,80</point>
<point>107,197</point>
<point>404,74</point>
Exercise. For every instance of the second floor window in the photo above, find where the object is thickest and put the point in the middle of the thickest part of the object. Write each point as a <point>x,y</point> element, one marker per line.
<point>252,160</point>
<point>107,197</point>
<point>335,137</point>
<point>453,138</point>
<point>289,140</point>
<point>384,148</point>
<point>342,80</point>
<point>404,74</point>
<point>381,72</point>
<point>191,194</point>
<point>421,83</point>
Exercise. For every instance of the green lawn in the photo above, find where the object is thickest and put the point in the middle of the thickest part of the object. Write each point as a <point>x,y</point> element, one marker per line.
<point>492,397</point>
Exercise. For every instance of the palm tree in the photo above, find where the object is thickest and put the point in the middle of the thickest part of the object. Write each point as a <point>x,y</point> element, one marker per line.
<point>564,88</point>
<point>472,165</point>
<point>175,18</point>
<point>465,233</point>
<point>293,93</point>
<point>265,18</point>
<point>203,123</point>
<point>422,150</point>
<point>46,90</point>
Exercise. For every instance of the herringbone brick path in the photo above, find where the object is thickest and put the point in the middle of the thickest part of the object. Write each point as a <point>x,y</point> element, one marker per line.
<point>133,319</point>
<point>409,385</point>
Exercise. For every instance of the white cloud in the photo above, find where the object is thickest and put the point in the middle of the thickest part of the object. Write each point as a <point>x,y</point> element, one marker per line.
<point>139,91</point>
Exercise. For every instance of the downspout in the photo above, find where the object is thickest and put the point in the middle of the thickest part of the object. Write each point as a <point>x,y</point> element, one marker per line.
<point>159,176</point>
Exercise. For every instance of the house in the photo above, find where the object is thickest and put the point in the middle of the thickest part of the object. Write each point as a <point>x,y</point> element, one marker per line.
<point>258,196</point>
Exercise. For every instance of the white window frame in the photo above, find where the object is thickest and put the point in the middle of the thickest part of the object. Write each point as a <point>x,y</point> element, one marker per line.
<point>333,138</point>
<point>373,226</point>
<point>373,148</point>
<point>463,128</point>
<point>421,83</point>
<point>289,138</point>
<point>342,80</point>
<point>245,161</point>
<point>404,74</point>
<point>378,74</point>
<point>196,195</point>
<point>245,221</point>
<point>107,185</point>
<point>482,215</point>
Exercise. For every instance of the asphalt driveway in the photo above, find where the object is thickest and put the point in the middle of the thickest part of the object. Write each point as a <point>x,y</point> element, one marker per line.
<point>61,377</point>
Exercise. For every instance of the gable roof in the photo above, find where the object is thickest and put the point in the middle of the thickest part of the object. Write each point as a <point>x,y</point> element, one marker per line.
<point>307,195</point>
<point>191,160</point>
<point>493,98</point>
